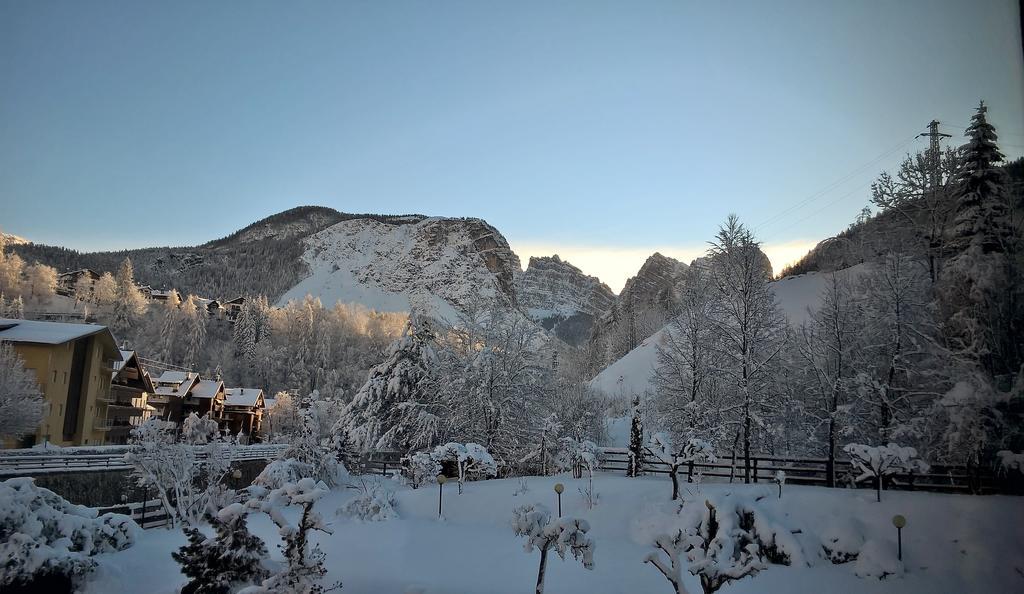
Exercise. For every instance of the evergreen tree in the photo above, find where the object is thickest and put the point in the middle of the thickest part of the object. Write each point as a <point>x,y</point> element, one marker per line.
<point>219,564</point>
<point>195,330</point>
<point>976,285</point>
<point>636,441</point>
<point>393,409</point>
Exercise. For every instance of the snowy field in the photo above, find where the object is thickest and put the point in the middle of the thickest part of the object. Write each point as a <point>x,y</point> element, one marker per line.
<point>952,543</point>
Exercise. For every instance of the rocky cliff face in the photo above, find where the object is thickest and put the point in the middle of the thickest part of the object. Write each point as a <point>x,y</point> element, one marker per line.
<point>437,265</point>
<point>557,295</point>
<point>655,283</point>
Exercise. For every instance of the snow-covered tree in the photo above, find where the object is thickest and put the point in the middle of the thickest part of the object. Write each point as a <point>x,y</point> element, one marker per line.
<point>685,374</point>
<point>564,535</point>
<point>44,538</point>
<point>422,468</point>
<point>21,402</point>
<point>827,343</point>
<point>186,483</point>
<point>636,441</point>
<point>129,303</point>
<point>304,564</point>
<point>11,268</point>
<point>691,451</point>
<point>396,407</point>
<point>41,280</point>
<point>578,455</point>
<point>220,564</point>
<point>548,443</point>
<point>749,331</point>
<point>881,461</point>
<point>311,446</point>
<point>105,291</point>
<point>194,319</point>
<point>170,329</point>
<point>16,308</point>
<point>976,285</point>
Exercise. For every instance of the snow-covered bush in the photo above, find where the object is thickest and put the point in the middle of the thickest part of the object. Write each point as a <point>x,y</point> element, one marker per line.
<point>723,541</point>
<point>842,539</point>
<point>44,539</point>
<point>690,451</point>
<point>471,460</point>
<point>313,447</point>
<point>421,468</point>
<point>882,461</point>
<point>878,559</point>
<point>779,479</point>
<point>1010,462</point>
<point>304,566</point>
<point>578,455</point>
<point>282,471</point>
<point>374,502</point>
<point>225,561</point>
<point>565,535</point>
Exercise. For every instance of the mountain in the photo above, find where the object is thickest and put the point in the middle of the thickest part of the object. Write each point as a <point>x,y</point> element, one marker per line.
<point>559,297</point>
<point>264,257</point>
<point>436,264</point>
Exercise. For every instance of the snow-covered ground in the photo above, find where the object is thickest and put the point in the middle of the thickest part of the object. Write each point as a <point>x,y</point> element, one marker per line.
<point>796,296</point>
<point>952,543</point>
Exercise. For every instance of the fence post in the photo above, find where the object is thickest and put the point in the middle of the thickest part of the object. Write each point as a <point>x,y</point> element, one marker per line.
<point>689,471</point>
<point>755,470</point>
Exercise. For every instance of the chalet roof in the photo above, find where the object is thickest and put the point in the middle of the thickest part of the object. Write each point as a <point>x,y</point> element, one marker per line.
<point>175,383</point>
<point>80,272</point>
<point>126,356</point>
<point>247,397</point>
<point>235,301</point>
<point>53,333</point>
<point>206,389</point>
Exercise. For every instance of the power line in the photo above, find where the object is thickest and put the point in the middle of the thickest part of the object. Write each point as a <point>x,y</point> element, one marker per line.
<point>835,184</point>
<point>827,205</point>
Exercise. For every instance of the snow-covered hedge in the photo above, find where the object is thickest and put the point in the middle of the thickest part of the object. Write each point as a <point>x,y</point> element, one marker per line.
<point>42,534</point>
<point>374,503</point>
<point>472,460</point>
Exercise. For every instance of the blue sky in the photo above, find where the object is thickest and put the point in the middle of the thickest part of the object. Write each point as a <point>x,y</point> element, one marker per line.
<point>600,130</point>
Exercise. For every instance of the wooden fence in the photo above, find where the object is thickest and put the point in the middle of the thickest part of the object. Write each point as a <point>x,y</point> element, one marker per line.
<point>386,463</point>
<point>27,464</point>
<point>147,514</point>
<point>812,471</point>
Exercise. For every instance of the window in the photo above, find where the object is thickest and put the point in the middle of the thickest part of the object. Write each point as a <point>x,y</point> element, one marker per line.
<point>54,376</point>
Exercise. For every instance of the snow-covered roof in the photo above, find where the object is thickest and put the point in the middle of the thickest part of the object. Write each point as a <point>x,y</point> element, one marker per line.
<point>119,365</point>
<point>206,389</point>
<point>31,331</point>
<point>175,383</point>
<point>242,396</point>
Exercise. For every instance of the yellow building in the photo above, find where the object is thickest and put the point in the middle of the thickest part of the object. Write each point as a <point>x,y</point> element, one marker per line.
<point>73,364</point>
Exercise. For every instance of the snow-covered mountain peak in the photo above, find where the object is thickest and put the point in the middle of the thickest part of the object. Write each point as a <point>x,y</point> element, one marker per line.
<point>434,264</point>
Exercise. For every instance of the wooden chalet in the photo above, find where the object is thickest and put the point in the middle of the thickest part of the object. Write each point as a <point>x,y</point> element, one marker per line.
<point>243,411</point>
<point>127,406</point>
<point>169,394</point>
<point>68,282</point>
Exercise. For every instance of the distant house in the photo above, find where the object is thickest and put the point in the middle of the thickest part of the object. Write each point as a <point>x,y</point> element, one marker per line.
<point>127,406</point>
<point>68,282</point>
<point>233,308</point>
<point>243,411</point>
<point>205,398</point>
<point>161,295</point>
<point>146,290</point>
<point>73,364</point>
<point>169,393</point>
<point>215,309</point>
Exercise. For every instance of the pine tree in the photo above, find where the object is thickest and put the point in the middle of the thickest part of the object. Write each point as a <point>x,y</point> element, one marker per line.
<point>195,330</point>
<point>219,564</point>
<point>976,282</point>
<point>393,409</point>
<point>636,441</point>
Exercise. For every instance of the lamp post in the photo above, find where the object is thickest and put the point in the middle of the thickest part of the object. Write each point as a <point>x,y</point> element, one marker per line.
<point>899,522</point>
<point>559,487</point>
<point>441,479</point>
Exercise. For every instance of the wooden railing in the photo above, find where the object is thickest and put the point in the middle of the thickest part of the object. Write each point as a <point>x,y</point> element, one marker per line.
<point>811,471</point>
<point>13,464</point>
